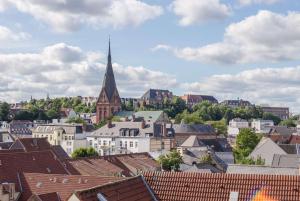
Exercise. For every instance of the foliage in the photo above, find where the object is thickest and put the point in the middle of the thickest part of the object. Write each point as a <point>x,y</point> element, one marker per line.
<point>76,120</point>
<point>84,152</point>
<point>100,124</point>
<point>219,126</point>
<point>270,116</point>
<point>206,159</point>
<point>251,161</point>
<point>170,161</point>
<point>289,123</point>
<point>4,111</point>
<point>246,141</point>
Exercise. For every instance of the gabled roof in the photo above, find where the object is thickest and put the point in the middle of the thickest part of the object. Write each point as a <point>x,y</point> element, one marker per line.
<point>288,160</point>
<point>192,141</point>
<point>282,130</point>
<point>31,144</point>
<point>64,185</point>
<point>196,129</point>
<point>132,189</point>
<point>181,186</point>
<point>154,93</point>
<point>149,116</point>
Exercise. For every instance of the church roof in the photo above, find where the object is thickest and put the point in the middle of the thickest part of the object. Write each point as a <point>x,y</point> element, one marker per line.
<point>109,83</point>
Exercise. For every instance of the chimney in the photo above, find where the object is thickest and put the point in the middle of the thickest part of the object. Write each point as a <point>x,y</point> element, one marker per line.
<point>143,124</point>
<point>109,124</point>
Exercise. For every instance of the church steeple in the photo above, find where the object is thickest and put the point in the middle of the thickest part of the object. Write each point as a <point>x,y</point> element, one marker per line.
<point>109,100</point>
<point>109,83</point>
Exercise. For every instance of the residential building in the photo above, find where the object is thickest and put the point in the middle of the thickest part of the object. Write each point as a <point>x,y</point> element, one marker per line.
<point>131,137</point>
<point>155,97</point>
<point>69,136</point>
<point>192,99</point>
<point>88,100</point>
<point>235,125</point>
<point>281,112</point>
<point>282,134</point>
<point>262,126</point>
<point>17,128</point>
<point>236,103</point>
<point>65,115</point>
<point>109,101</point>
<point>151,116</point>
<point>130,101</point>
<point>184,131</point>
<point>184,186</point>
<point>266,149</point>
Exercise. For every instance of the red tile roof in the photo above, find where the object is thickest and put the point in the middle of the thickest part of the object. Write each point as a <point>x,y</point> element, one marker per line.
<point>45,197</point>
<point>133,189</point>
<point>31,144</point>
<point>64,185</point>
<point>93,166</point>
<point>211,187</point>
<point>13,164</point>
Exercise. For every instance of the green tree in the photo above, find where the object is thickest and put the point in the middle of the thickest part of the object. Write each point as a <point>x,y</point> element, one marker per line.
<point>246,141</point>
<point>84,152</point>
<point>219,126</point>
<point>270,116</point>
<point>288,123</point>
<point>76,120</point>
<point>170,161</point>
<point>4,111</point>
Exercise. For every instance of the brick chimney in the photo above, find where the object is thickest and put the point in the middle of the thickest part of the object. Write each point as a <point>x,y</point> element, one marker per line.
<point>143,124</point>
<point>109,124</point>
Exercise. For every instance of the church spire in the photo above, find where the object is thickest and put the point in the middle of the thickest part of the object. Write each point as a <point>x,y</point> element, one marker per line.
<point>109,83</point>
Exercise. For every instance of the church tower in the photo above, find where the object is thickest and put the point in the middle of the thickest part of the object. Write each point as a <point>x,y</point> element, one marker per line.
<point>109,101</point>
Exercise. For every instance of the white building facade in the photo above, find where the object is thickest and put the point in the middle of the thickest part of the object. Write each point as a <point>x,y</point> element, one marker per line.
<point>261,126</point>
<point>235,125</point>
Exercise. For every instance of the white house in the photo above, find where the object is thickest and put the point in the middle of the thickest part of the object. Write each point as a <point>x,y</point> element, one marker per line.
<point>235,125</point>
<point>261,126</point>
<point>69,136</point>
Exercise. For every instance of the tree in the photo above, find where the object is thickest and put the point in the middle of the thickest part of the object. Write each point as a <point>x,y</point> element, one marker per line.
<point>84,152</point>
<point>246,141</point>
<point>270,116</point>
<point>4,111</point>
<point>76,120</point>
<point>288,123</point>
<point>219,126</point>
<point>170,161</point>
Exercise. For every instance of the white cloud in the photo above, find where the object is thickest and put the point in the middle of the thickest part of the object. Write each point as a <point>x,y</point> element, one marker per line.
<point>273,86</point>
<point>70,15</point>
<point>6,34</point>
<point>64,70</point>
<point>266,36</point>
<point>195,11</point>
<point>249,2</point>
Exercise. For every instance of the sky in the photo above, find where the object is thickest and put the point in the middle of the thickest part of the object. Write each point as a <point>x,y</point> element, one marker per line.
<point>246,49</point>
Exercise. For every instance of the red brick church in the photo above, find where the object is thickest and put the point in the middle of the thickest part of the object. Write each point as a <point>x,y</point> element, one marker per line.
<point>109,101</point>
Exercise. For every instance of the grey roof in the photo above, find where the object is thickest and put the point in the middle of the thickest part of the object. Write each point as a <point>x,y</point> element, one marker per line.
<point>226,157</point>
<point>290,148</point>
<point>257,169</point>
<point>282,130</point>
<point>149,116</point>
<point>50,128</point>
<point>109,83</point>
<point>208,98</point>
<point>153,93</point>
<point>192,141</point>
<point>193,128</point>
<point>289,161</point>
<point>194,168</point>
<point>114,131</point>
<point>266,149</point>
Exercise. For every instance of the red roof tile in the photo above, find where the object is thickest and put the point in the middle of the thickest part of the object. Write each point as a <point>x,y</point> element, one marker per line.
<point>31,144</point>
<point>64,185</point>
<point>12,164</point>
<point>45,197</point>
<point>211,187</point>
<point>133,189</point>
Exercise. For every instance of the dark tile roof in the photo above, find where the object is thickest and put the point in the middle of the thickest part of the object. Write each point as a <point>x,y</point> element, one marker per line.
<point>290,148</point>
<point>194,128</point>
<point>183,186</point>
<point>282,130</point>
<point>60,152</point>
<point>133,189</point>
<point>45,197</point>
<point>154,93</point>
<point>64,185</point>
<point>5,145</point>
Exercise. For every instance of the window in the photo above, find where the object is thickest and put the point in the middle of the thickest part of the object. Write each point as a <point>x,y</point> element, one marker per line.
<point>104,142</point>
<point>125,144</point>
<point>96,146</point>
<point>91,142</point>
<point>99,142</point>
<point>131,144</point>
<point>66,137</point>
<point>121,143</point>
<point>136,144</point>
<point>50,137</point>
<point>70,137</point>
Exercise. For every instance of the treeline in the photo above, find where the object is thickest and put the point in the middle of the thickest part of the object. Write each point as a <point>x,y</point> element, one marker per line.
<point>45,109</point>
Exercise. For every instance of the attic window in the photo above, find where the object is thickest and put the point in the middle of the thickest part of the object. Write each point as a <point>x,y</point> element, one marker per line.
<point>101,197</point>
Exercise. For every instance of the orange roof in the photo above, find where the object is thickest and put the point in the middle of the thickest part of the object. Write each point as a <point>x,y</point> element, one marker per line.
<point>211,187</point>
<point>133,189</point>
<point>64,185</point>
